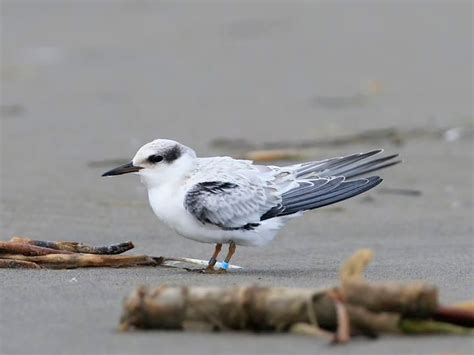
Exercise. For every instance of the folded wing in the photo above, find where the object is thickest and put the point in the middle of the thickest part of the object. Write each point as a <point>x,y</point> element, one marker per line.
<point>229,205</point>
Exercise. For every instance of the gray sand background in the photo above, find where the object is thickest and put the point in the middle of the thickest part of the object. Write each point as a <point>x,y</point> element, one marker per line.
<point>86,82</point>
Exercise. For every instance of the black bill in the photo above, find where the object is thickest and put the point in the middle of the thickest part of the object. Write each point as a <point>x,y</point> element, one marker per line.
<point>123,169</point>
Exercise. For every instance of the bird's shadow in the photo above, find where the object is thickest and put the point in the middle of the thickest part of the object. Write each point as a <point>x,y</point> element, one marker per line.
<point>278,273</point>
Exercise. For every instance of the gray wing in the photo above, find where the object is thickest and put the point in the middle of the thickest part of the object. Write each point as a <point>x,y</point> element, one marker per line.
<point>230,205</point>
<point>322,183</point>
<point>320,192</point>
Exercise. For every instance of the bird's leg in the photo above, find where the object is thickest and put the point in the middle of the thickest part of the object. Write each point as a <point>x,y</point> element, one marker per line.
<point>212,262</point>
<point>230,253</point>
<point>213,259</point>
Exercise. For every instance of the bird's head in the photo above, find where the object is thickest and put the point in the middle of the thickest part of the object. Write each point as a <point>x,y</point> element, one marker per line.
<point>157,161</point>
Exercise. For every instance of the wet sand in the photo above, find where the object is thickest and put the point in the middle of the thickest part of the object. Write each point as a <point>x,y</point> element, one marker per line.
<point>85,84</point>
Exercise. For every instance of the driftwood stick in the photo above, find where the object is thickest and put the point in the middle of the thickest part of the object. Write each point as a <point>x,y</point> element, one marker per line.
<point>72,261</point>
<point>358,307</point>
<point>302,311</point>
<point>266,309</point>
<point>415,326</point>
<point>312,330</point>
<point>76,247</point>
<point>17,264</point>
<point>343,333</point>
<point>413,299</point>
<point>353,269</point>
<point>455,315</point>
<point>27,249</point>
<point>238,308</point>
<point>371,323</point>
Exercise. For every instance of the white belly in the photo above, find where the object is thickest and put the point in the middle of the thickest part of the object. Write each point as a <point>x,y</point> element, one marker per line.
<point>167,204</point>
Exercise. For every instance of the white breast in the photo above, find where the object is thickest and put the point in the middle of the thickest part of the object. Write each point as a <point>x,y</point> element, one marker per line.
<point>167,204</point>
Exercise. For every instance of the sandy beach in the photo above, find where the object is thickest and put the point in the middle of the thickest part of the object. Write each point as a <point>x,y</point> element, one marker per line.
<point>85,84</point>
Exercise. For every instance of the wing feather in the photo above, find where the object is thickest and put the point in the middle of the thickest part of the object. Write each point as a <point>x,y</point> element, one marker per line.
<point>229,205</point>
<point>242,195</point>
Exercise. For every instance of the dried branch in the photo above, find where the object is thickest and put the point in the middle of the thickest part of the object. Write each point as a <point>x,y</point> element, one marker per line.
<point>77,247</point>
<point>455,315</point>
<point>73,261</point>
<point>412,299</point>
<point>353,269</point>
<point>414,326</point>
<point>17,264</point>
<point>358,307</point>
<point>27,249</point>
<point>239,308</point>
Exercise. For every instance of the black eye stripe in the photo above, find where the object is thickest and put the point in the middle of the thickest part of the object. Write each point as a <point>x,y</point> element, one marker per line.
<point>155,158</point>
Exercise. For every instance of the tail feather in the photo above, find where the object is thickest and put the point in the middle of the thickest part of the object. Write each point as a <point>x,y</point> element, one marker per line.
<point>339,190</point>
<point>326,182</point>
<point>329,165</point>
<point>344,166</point>
<point>368,167</point>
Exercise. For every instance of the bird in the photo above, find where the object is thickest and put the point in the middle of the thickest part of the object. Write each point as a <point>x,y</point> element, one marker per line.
<point>222,200</point>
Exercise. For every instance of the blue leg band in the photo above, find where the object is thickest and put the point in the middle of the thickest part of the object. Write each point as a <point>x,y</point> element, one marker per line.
<point>224,265</point>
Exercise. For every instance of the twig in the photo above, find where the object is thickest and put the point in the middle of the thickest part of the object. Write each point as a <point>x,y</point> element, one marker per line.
<point>353,269</point>
<point>77,260</point>
<point>343,333</point>
<point>455,315</point>
<point>415,299</point>
<point>312,330</point>
<point>27,249</point>
<point>72,261</point>
<point>412,326</point>
<point>78,247</point>
<point>371,323</point>
<point>17,264</point>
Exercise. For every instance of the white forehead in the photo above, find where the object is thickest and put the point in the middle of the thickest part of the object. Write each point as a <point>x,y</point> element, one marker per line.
<point>154,147</point>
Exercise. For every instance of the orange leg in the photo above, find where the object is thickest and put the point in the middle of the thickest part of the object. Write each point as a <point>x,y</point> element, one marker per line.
<point>230,253</point>
<point>214,256</point>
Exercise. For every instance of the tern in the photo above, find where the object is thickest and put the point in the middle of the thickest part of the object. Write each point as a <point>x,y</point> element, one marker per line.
<point>222,200</point>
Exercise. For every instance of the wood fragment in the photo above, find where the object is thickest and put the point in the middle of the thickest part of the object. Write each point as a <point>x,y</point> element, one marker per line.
<point>416,326</point>
<point>358,307</point>
<point>455,315</point>
<point>239,308</point>
<point>415,299</point>
<point>466,305</point>
<point>27,249</point>
<point>353,269</point>
<point>372,323</point>
<point>303,311</point>
<point>312,330</point>
<point>73,261</point>
<point>17,264</point>
<point>76,247</point>
<point>343,326</point>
